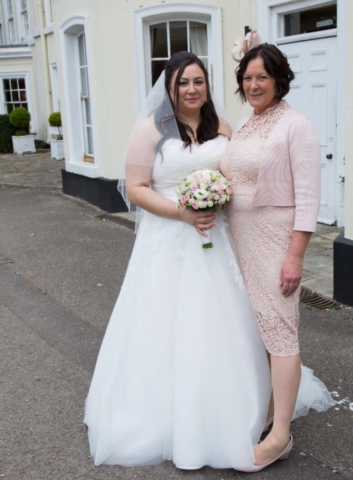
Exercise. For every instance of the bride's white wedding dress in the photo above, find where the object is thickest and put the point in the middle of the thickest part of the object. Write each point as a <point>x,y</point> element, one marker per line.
<point>182,373</point>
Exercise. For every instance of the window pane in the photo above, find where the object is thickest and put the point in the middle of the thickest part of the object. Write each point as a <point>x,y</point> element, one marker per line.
<point>82,49</point>
<point>178,37</point>
<point>9,7</point>
<point>308,21</point>
<point>13,83</point>
<point>23,96</point>
<point>88,111</point>
<point>15,96</point>
<point>159,46</point>
<point>90,140</point>
<point>157,69</point>
<point>24,105</point>
<point>205,62</point>
<point>6,84</point>
<point>198,39</point>
<point>84,81</point>
<point>7,96</point>
<point>10,107</point>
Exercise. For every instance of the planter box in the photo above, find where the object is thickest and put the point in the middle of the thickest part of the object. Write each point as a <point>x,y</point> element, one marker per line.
<point>23,144</point>
<point>57,149</point>
<point>54,130</point>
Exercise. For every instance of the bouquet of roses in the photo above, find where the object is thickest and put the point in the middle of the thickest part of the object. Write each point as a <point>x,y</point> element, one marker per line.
<point>204,190</point>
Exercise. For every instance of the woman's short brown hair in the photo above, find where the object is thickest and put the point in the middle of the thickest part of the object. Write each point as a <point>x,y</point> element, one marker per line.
<point>276,65</point>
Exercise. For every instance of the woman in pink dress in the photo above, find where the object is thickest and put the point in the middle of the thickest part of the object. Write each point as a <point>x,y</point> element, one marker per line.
<point>273,162</point>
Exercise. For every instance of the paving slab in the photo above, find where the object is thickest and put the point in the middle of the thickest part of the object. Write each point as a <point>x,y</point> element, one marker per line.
<point>39,170</point>
<point>54,252</point>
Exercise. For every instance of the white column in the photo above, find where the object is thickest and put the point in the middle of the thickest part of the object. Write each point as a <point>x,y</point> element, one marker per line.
<point>349,125</point>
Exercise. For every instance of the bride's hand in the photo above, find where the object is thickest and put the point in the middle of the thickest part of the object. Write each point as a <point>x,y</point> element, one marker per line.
<point>200,220</point>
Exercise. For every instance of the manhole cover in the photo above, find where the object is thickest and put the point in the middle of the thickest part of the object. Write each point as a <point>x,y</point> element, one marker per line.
<point>315,300</point>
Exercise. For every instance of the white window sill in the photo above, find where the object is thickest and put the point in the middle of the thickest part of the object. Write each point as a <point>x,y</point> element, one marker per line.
<point>84,169</point>
<point>16,52</point>
<point>36,33</point>
<point>48,29</point>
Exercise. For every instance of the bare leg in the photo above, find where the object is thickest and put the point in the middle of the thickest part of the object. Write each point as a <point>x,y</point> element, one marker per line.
<point>285,373</point>
<point>271,407</point>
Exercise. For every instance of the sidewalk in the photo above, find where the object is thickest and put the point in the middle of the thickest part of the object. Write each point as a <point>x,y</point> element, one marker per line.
<point>39,170</point>
<point>62,264</point>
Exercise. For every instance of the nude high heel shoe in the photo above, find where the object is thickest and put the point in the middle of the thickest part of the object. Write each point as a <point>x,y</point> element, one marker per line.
<point>283,456</point>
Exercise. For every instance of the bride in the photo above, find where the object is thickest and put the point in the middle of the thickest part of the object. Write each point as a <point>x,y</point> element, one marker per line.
<point>182,373</point>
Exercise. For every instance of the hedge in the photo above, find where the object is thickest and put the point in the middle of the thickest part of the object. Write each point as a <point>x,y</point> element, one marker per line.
<point>6,132</point>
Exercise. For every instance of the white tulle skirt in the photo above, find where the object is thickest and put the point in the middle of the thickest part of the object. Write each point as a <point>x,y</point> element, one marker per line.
<point>182,373</point>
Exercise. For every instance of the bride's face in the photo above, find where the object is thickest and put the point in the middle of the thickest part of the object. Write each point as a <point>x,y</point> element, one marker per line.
<point>192,89</point>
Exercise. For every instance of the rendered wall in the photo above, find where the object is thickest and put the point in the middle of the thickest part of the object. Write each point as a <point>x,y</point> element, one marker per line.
<point>110,47</point>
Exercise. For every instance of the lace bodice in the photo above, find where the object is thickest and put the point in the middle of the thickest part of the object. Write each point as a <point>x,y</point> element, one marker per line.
<point>176,163</point>
<point>242,162</point>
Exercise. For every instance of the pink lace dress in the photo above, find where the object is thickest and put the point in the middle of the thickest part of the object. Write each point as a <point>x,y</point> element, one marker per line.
<point>262,235</point>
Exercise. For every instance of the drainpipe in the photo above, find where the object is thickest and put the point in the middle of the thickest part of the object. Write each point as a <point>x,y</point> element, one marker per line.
<point>44,47</point>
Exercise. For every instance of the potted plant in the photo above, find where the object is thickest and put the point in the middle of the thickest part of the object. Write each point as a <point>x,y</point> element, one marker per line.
<point>56,143</point>
<point>22,141</point>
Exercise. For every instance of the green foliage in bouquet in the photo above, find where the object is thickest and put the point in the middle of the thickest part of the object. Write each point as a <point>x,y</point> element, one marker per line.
<point>20,118</point>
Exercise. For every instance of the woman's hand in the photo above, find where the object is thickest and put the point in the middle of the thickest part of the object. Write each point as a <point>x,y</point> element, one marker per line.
<point>291,274</point>
<point>292,269</point>
<point>198,219</point>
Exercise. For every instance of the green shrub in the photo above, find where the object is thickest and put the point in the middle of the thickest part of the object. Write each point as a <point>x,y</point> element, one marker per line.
<point>20,118</point>
<point>6,132</point>
<point>55,119</point>
<point>21,133</point>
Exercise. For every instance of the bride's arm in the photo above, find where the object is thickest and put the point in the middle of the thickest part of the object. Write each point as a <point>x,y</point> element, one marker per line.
<point>139,167</point>
<point>153,202</point>
<point>224,128</point>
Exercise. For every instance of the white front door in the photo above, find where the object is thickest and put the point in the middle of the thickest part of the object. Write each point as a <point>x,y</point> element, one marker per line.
<point>313,92</point>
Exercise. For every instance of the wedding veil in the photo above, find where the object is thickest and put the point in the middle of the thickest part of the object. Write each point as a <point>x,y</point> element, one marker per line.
<point>155,125</point>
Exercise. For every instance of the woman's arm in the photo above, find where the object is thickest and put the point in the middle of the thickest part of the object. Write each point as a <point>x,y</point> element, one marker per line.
<point>153,202</point>
<point>139,167</point>
<point>304,154</point>
<point>305,163</point>
<point>292,269</point>
<point>224,128</point>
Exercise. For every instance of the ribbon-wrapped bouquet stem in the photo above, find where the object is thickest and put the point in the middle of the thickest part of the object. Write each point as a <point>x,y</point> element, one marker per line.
<point>204,190</point>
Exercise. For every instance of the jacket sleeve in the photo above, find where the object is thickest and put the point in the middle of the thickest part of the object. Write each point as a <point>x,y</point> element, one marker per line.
<point>304,157</point>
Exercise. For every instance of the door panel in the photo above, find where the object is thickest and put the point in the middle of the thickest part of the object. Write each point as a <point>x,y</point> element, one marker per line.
<point>313,92</point>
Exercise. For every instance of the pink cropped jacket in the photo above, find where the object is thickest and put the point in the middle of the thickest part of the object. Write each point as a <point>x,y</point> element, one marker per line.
<point>290,169</point>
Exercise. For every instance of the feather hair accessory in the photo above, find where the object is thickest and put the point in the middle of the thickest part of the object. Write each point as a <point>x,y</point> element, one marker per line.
<point>243,45</point>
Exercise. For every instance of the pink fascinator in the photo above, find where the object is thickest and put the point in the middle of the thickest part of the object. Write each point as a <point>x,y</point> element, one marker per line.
<point>243,45</point>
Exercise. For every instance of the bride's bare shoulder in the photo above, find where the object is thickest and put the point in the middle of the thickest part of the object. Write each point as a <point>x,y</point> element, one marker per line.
<point>224,128</point>
<point>147,130</point>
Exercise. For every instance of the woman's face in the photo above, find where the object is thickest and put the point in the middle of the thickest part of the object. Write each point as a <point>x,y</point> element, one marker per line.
<point>192,89</point>
<point>259,87</point>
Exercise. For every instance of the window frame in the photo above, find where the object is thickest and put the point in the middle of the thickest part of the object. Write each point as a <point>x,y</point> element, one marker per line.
<point>19,74</point>
<point>25,34</point>
<point>54,86</point>
<point>10,17</point>
<point>69,31</point>
<point>146,16</point>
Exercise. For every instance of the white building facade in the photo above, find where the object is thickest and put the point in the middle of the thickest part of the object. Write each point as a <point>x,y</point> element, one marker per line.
<point>95,62</point>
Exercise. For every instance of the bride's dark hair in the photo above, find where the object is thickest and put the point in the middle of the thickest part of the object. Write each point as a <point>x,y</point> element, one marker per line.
<point>209,124</point>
